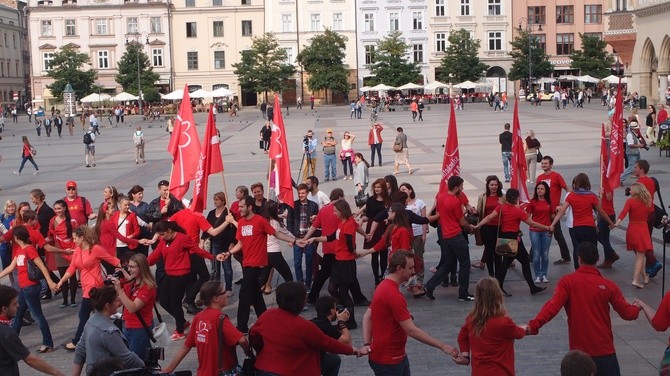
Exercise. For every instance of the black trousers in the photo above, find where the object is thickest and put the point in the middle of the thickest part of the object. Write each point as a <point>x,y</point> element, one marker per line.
<point>522,257</point>
<point>199,275</point>
<point>171,294</point>
<point>276,261</point>
<point>321,277</point>
<point>562,244</point>
<point>250,294</point>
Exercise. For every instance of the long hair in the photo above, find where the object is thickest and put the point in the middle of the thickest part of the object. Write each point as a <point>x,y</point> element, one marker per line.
<point>640,192</point>
<point>25,141</point>
<point>18,220</point>
<point>88,234</point>
<point>392,184</point>
<point>359,155</point>
<point>344,209</point>
<point>384,193</point>
<point>102,216</point>
<point>582,181</point>
<point>271,211</point>
<point>400,216</point>
<point>547,197</point>
<point>146,278</point>
<point>66,214</point>
<point>491,178</point>
<point>488,303</point>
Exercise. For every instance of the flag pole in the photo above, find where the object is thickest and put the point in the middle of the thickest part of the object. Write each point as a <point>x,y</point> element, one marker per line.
<point>267,192</point>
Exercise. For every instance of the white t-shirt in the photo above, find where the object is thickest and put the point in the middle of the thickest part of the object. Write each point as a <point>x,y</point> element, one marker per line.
<point>273,242</point>
<point>416,208</point>
<point>319,198</point>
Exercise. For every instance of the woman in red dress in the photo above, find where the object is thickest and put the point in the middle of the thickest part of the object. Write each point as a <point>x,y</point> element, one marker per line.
<point>60,236</point>
<point>638,238</point>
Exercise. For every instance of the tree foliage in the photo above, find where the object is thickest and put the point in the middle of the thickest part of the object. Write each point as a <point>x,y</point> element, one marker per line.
<point>67,67</point>
<point>540,63</point>
<point>323,59</point>
<point>392,66</point>
<point>460,62</point>
<point>593,58</point>
<point>127,76</point>
<point>263,68</point>
<point>150,95</point>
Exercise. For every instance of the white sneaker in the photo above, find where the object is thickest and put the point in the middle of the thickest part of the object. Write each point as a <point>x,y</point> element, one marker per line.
<point>36,172</point>
<point>545,280</point>
<point>537,280</point>
<point>17,173</point>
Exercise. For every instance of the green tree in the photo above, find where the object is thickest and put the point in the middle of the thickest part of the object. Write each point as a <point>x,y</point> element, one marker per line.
<point>127,76</point>
<point>593,58</point>
<point>460,62</point>
<point>263,68</point>
<point>540,64</point>
<point>323,59</point>
<point>150,95</point>
<point>67,67</point>
<point>392,67</point>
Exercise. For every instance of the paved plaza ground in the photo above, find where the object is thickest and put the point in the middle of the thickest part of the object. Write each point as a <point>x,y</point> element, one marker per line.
<point>571,137</point>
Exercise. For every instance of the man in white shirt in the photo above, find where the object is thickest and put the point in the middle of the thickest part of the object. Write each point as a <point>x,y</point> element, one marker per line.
<point>94,123</point>
<point>314,194</point>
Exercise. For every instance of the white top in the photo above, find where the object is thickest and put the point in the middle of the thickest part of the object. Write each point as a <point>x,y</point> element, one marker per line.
<point>319,198</point>
<point>273,242</point>
<point>416,209</point>
<point>121,227</point>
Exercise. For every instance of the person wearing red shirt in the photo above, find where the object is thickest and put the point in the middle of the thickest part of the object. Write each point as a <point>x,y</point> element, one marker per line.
<point>29,293</point>
<point>240,193</point>
<point>208,327</point>
<point>607,203</point>
<point>399,234</point>
<point>487,202</point>
<point>252,234</point>
<point>375,141</point>
<point>540,239</point>
<point>659,320</point>
<point>387,323</point>
<point>127,225</point>
<point>79,207</point>
<point>108,233</point>
<point>662,114</point>
<point>510,216</point>
<point>640,170</point>
<point>454,247</point>
<point>637,239</point>
<point>582,202</point>
<point>556,186</point>
<point>586,296</point>
<point>59,234</point>
<point>487,337</point>
<point>287,344</point>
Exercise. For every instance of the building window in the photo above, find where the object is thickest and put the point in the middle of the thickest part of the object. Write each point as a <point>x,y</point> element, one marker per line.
<point>417,50</point>
<point>315,21</point>
<point>593,14</point>
<point>338,21</point>
<point>394,21</point>
<point>217,3</point>
<point>191,30</point>
<point>286,23</point>
<point>441,42</point>
<point>70,28</point>
<point>217,29</point>
<point>369,54</point>
<point>131,25</point>
<point>192,60</point>
<point>495,40</point>
<point>103,59</point>
<point>246,2</point>
<point>369,21</point>
<point>157,57</point>
<point>595,35</point>
<point>565,14</point>
<point>289,55</point>
<point>47,31</point>
<point>246,29</point>
<point>439,8</point>
<point>219,59</point>
<point>190,3</point>
<point>101,27</point>
<point>156,25</point>
<point>495,9</point>
<point>47,60</point>
<point>537,15</point>
<point>565,44</point>
<point>621,5</point>
<point>465,7</point>
<point>14,40</point>
<point>541,40</point>
<point>417,20</point>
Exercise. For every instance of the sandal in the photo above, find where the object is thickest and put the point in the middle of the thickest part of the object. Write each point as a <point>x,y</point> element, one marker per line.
<point>45,349</point>
<point>69,346</point>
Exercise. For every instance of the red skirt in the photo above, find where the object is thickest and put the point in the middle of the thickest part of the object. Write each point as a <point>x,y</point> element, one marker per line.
<point>637,237</point>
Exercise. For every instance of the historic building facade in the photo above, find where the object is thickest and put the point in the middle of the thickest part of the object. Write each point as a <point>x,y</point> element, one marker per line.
<point>12,73</point>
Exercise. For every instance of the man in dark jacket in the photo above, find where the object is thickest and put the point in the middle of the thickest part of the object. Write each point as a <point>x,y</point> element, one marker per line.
<point>165,205</point>
<point>298,221</point>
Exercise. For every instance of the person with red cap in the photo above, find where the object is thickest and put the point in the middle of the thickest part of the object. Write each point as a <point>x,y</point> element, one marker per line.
<point>79,207</point>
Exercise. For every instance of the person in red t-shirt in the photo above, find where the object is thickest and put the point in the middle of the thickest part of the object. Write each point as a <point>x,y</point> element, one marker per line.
<point>252,232</point>
<point>487,202</point>
<point>511,216</point>
<point>387,323</point>
<point>640,170</point>
<point>79,207</point>
<point>556,187</point>
<point>240,193</point>
<point>583,202</point>
<point>540,239</point>
<point>487,337</point>
<point>208,327</point>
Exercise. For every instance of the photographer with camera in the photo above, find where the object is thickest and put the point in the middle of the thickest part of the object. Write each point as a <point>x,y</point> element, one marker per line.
<point>213,335</point>
<point>309,155</point>
<point>102,339</point>
<point>634,142</point>
<point>326,313</point>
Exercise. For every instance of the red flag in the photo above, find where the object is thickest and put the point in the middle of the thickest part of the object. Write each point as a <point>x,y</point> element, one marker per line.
<point>209,163</point>
<point>451,164</point>
<point>279,152</point>
<point>616,165</point>
<point>518,167</point>
<point>604,160</point>
<point>185,148</point>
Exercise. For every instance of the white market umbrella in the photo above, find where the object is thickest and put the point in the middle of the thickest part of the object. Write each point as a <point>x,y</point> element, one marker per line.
<point>545,80</point>
<point>410,86</point>
<point>123,96</point>
<point>381,87</point>
<point>221,92</point>
<point>201,93</point>
<point>95,98</point>
<point>612,79</point>
<point>175,95</point>
<point>466,85</point>
<point>588,79</point>
<point>568,77</point>
<point>435,85</point>
<point>365,89</point>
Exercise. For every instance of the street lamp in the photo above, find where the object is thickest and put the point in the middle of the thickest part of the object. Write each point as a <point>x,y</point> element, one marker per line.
<point>529,30</point>
<point>137,40</point>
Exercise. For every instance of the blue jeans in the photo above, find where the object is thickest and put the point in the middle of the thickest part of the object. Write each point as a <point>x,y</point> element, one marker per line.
<point>29,298</point>
<point>632,158</point>
<point>400,369</point>
<point>226,265</point>
<point>607,365</point>
<point>540,242</point>
<point>138,340</point>
<point>297,263</point>
<point>330,166</point>
<point>378,149</point>
<point>26,159</point>
<point>453,250</point>
<point>85,310</point>
<point>506,157</point>
<point>580,234</point>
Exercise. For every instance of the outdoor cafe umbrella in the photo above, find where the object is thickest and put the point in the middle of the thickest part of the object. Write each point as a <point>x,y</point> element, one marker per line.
<point>221,92</point>
<point>123,96</point>
<point>410,86</point>
<point>95,98</point>
<point>201,93</point>
<point>588,79</point>
<point>175,95</point>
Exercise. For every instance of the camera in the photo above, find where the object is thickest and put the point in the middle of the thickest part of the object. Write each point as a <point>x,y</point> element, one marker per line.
<point>154,354</point>
<point>646,147</point>
<point>627,193</point>
<point>117,274</point>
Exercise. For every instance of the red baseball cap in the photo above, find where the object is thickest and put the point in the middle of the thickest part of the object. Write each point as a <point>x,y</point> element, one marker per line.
<point>71,184</point>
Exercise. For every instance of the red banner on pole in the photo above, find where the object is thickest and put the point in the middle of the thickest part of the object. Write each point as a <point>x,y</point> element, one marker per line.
<point>451,163</point>
<point>279,152</point>
<point>209,163</point>
<point>518,167</point>
<point>617,136</point>
<point>185,148</point>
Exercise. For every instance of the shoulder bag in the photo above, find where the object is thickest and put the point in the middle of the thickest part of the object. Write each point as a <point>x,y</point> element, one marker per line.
<point>34,272</point>
<point>505,247</point>
<point>159,334</point>
<point>539,156</point>
<point>397,147</point>
<point>361,198</point>
<point>659,212</point>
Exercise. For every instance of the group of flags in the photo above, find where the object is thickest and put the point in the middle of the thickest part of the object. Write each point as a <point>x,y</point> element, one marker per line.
<point>193,162</point>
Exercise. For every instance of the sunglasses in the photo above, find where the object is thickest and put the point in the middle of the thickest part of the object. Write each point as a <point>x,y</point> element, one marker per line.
<point>71,188</point>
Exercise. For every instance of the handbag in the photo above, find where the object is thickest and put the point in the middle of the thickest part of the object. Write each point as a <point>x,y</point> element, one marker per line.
<point>34,273</point>
<point>659,212</point>
<point>397,148</point>
<point>505,247</point>
<point>539,156</point>
<point>361,198</point>
<point>159,335</point>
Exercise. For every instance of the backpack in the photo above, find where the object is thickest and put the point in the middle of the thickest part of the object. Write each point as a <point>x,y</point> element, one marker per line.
<point>137,138</point>
<point>87,138</point>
